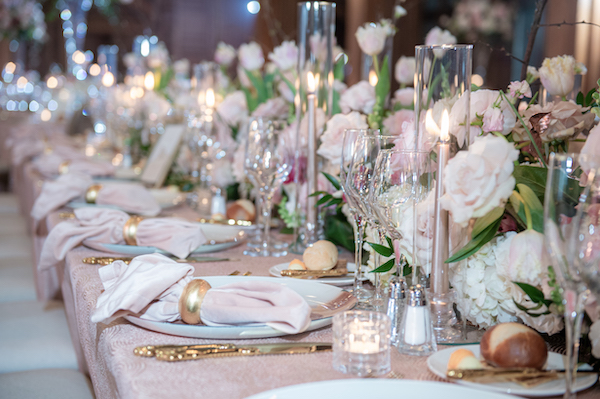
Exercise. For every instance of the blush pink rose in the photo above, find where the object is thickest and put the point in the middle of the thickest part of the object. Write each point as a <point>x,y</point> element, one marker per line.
<point>405,97</point>
<point>285,56</point>
<point>493,120</point>
<point>519,89</point>
<point>224,54</point>
<point>371,38</point>
<point>333,137</point>
<point>233,109</point>
<point>404,72</point>
<point>251,56</point>
<point>359,97</point>
<point>274,108</point>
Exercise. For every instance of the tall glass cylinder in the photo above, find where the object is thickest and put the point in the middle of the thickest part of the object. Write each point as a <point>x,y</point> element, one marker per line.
<point>314,98</point>
<point>442,125</point>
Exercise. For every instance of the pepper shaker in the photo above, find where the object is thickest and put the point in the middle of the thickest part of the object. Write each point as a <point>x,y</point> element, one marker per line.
<point>416,331</point>
<point>395,306</point>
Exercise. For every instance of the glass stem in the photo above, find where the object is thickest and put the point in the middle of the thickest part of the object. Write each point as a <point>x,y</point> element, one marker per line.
<point>573,317</point>
<point>266,199</point>
<point>380,237</point>
<point>359,232</point>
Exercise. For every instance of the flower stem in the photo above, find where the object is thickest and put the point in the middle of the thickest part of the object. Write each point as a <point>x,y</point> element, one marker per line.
<point>537,149</point>
<point>527,210</point>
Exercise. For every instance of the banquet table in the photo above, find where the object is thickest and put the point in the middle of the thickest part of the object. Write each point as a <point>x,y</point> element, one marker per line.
<point>105,351</point>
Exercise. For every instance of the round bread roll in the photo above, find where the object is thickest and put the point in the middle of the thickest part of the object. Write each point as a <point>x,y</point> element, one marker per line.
<point>241,209</point>
<point>463,359</point>
<point>297,264</point>
<point>323,255</point>
<point>513,345</point>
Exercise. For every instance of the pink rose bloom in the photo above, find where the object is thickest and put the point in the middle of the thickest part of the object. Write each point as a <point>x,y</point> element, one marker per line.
<point>558,75</point>
<point>493,120</point>
<point>404,72</point>
<point>525,258</point>
<point>359,97</point>
<point>371,38</point>
<point>251,56</point>
<point>224,54</point>
<point>519,89</point>
<point>438,36</point>
<point>285,56</point>
<point>303,129</point>
<point>274,108</point>
<point>233,108</point>
<point>333,137</point>
<point>479,179</point>
<point>592,144</point>
<point>399,122</point>
<point>405,97</point>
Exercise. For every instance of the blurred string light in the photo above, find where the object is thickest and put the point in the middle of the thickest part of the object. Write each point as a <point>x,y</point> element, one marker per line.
<point>52,82</point>
<point>95,70</point>
<point>477,80</point>
<point>108,79</point>
<point>46,115</point>
<point>253,7</point>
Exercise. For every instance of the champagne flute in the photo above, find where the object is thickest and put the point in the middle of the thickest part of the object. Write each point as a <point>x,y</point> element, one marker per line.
<point>267,165</point>
<point>359,175</point>
<point>563,196</point>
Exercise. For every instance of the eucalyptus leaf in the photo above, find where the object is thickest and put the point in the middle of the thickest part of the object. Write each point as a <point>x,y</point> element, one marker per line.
<point>382,249</point>
<point>386,267</point>
<point>334,182</point>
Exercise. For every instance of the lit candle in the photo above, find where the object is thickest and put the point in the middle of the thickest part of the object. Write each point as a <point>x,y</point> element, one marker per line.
<point>149,81</point>
<point>439,269</point>
<point>311,212</point>
<point>108,79</point>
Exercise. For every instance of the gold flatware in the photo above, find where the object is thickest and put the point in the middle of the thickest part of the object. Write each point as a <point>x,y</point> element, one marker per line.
<point>107,260</point>
<point>226,222</point>
<point>234,273</point>
<point>247,273</point>
<point>314,273</point>
<point>526,377</point>
<point>66,215</point>
<point>175,353</point>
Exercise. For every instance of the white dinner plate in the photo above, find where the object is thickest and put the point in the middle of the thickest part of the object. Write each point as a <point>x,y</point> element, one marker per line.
<point>337,281</point>
<point>219,238</point>
<point>438,362</point>
<point>375,388</point>
<point>166,198</point>
<point>314,293</point>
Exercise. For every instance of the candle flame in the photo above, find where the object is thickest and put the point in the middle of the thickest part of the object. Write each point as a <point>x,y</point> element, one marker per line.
<point>108,79</point>
<point>430,124</point>
<point>210,98</point>
<point>149,81</point>
<point>373,79</point>
<point>312,81</point>
<point>444,134</point>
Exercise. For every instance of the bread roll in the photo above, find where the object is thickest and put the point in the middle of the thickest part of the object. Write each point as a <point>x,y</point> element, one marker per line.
<point>463,359</point>
<point>297,264</point>
<point>323,255</point>
<point>513,345</point>
<point>241,209</point>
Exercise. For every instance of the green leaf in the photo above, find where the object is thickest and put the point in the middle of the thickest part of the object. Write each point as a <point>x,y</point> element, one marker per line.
<point>483,222</point>
<point>338,70</point>
<point>389,241</point>
<point>324,199</point>
<point>382,88</point>
<point>534,293</point>
<point>580,100</point>
<point>250,100</point>
<point>260,86</point>
<point>339,231</point>
<point>334,182</point>
<point>535,206</point>
<point>289,84</point>
<point>382,250</point>
<point>533,177</point>
<point>317,193</point>
<point>406,270</point>
<point>386,267</point>
<point>589,98</point>
<point>476,242</point>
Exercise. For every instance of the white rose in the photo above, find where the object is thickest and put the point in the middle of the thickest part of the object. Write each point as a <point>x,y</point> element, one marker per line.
<point>224,54</point>
<point>359,97</point>
<point>285,56</point>
<point>405,70</point>
<point>251,56</point>
<point>233,109</point>
<point>371,38</point>
<point>333,137</point>
<point>557,74</point>
<point>438,36</point>
<point>480,179</point>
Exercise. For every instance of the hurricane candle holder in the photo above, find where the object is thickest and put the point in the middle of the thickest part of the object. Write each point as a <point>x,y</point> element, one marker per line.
<point>442,119</point>
<point>314,97</point>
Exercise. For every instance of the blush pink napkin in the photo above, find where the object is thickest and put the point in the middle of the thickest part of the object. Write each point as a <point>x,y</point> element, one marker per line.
<point>48,165</point>
<point>176,236</point>
<point>152,285</point>
<point>129,197</point>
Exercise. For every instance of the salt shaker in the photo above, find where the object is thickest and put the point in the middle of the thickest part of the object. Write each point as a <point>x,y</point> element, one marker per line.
<point>218,207</point>
<point>416,330</point>
<point>395,307</point>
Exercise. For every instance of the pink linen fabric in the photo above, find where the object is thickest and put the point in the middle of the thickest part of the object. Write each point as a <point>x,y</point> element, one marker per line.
<point>176,236</point>
<point>48,165</point>
<point>131,288</point>
<point>131,198</point>
<point>154,283</point>
<point>250,302</point>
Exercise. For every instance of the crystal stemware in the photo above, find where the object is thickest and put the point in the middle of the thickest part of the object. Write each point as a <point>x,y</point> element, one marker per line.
<point>567,209</point>
<point>267,166</point>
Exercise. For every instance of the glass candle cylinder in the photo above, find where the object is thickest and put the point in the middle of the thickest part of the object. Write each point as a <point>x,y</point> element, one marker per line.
<point>314,98</point>
<point>361,343</point>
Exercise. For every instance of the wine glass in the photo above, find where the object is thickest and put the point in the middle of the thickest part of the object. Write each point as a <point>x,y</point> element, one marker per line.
<point>348,149</point>
<point>399,188</point>
<point>267,166</point>
<point>359,174</point>
<point>566,204</point>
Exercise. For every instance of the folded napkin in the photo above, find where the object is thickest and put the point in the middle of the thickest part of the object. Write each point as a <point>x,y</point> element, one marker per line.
<point>130,197</point>
<point>176,236</point>
<point>151,286</point>
<point>53,164</point>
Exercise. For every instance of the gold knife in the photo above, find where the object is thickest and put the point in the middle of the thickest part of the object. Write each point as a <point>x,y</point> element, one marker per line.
<point>476,374</point>
<point>175,353</point>
<point>107,260</point>
<point>314,273</point>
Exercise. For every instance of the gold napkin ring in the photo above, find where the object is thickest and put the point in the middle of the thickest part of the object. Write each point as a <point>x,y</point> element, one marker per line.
<point>63,168</point>
<point>191,300</point>
<point>91,194</point>
<point>130,230</point>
